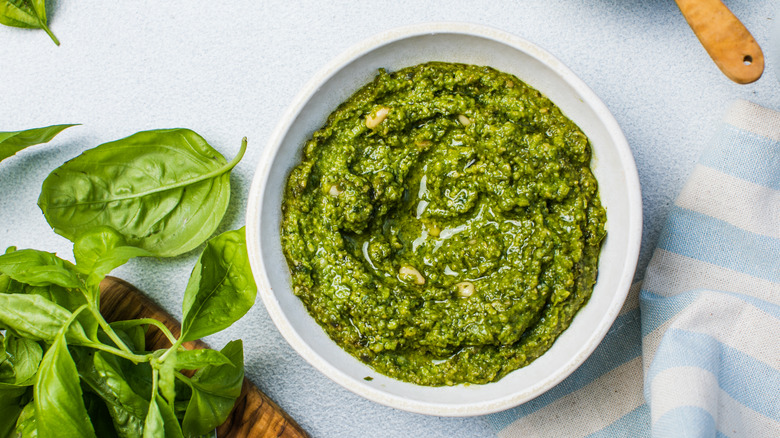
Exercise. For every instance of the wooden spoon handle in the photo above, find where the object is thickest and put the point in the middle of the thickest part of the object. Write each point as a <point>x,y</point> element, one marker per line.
<point>725,38</point>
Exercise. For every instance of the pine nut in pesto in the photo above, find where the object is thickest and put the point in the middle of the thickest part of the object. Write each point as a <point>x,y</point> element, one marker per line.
<point>444,226</point>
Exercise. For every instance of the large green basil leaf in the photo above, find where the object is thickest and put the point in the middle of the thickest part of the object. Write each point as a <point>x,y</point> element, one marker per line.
<point>15,141</point>
<point>39,268</point>
<point>107,376</point>
<point>166,191</point>
<point>34,317</point>
<point>26,425</point>
<point>25,356</point>
<point>59,406</point>
<point>221,288</point>
<point>100,250</point>
<point>214,392</point>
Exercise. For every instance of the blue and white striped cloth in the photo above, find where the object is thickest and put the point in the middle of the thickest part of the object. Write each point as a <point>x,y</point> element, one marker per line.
<point>695,351</point>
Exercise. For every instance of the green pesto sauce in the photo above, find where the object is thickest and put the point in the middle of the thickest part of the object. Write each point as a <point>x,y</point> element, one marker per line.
<point>453,240</point>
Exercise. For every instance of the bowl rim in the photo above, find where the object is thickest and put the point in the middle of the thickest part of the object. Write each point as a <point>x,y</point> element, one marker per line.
<point>274,143</point>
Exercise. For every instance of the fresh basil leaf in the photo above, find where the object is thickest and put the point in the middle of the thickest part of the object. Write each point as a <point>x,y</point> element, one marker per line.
<point>13,142</point>
<point>27,14</point>
<point>107,376</point>
<point>172,427</point>
<point>12,388</point>
<point>39,268</point>
<point>99,416</point>
<point>70,300</point>
<point>5,284</point>
<point>25,356</point>
<point>26,425</point>
<point>154,425</point>
<point>11,385</point>
<point>66,298</point>
<point>8,392</point>
<point>100,250</point>
<point>34,317</point>
<point>214,392</point>
<point>221,288</point>
<point>194,359</point>
<point>59,406</point>
<point>166,191</point>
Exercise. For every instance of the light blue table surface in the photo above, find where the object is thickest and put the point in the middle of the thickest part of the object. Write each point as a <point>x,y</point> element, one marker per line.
<point>229,69</point>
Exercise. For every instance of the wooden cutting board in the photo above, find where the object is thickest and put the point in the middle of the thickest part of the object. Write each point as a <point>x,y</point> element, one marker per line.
<point>255,415</point>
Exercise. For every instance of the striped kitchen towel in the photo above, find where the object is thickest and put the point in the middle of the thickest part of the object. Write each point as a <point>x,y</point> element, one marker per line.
<point>696,350</point>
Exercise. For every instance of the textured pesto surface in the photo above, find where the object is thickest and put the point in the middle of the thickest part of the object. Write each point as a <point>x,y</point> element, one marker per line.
<point>456,239</point>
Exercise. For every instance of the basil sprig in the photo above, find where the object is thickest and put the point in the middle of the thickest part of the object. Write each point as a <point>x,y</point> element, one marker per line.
<point>112,363</point>
<point>64,370</point>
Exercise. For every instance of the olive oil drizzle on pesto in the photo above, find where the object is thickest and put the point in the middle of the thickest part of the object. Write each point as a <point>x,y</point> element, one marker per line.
<point>444,226</point>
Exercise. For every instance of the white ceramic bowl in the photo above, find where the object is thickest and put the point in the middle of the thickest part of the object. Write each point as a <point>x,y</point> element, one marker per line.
<point>613,166</point>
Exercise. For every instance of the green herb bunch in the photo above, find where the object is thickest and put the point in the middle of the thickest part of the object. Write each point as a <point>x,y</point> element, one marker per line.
<point>67,372</point>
